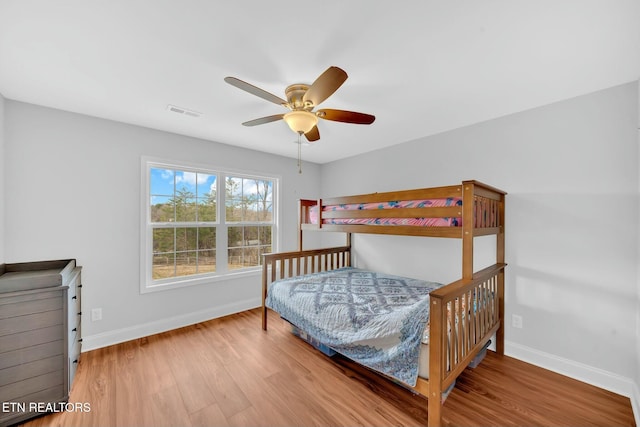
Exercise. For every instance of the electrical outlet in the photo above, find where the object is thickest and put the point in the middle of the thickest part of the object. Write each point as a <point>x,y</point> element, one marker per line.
<point>96,314</point>
<point>516,321</point>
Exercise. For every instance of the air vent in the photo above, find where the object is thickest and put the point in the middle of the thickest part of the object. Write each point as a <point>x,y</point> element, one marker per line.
<point>180,110</point>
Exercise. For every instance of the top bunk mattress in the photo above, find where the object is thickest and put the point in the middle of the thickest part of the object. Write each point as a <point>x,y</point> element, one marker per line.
<point>418,222</point>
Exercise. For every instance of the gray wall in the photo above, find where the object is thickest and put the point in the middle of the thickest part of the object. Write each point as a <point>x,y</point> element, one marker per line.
<point>636,395</point>
<point>73,190</point>
<point>571,171</point>
<point>2,173</point>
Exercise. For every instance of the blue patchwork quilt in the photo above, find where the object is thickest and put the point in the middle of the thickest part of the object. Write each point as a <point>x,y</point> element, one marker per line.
<point>372,318</point>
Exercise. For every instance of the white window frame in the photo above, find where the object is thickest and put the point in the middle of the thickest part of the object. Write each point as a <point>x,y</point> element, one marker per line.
<point>147,284</point>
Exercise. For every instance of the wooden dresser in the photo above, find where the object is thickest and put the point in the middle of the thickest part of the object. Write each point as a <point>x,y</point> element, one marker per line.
<point>40,337</point>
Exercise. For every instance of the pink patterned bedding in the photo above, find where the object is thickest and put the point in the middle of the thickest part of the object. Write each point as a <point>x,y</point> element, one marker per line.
<point>420,222</point>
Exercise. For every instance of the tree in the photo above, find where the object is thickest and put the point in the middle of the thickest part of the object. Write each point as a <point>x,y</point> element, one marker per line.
<point>264,199</point>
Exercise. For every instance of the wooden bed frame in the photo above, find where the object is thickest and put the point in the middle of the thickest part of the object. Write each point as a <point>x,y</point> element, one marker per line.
<point>450,351</point>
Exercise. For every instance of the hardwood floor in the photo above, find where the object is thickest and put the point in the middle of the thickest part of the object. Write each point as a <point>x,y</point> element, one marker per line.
<point>228,372</point>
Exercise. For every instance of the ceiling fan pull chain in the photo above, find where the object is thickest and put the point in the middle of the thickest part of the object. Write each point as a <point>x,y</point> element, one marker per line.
<point>299,153</point>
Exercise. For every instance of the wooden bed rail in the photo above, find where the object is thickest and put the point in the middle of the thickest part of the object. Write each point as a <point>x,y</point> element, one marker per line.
<point>463,317</point>
<point>296,263</point>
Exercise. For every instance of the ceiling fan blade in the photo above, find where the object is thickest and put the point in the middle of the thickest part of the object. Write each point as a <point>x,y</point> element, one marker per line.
<point>263,120</point>
<point>313,135</point>
<point>254,90</point>
<point>325,85</point>
<point>346,116</point>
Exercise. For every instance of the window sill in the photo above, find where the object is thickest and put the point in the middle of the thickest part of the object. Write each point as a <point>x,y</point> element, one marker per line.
<point>196,281</point>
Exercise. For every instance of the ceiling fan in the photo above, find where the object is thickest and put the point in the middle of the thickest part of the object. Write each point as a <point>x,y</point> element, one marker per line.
<point>301,100</point>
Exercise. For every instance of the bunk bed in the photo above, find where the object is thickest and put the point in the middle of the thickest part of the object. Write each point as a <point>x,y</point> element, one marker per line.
<point>462,316</point>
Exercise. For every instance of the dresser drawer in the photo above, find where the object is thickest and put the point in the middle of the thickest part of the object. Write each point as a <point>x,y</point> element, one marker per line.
<point>30,369</point>
<point>73,313</point>
<point>72,338</point>
<point>74,343</point>
<point>74,285</point>
<point>52,380</point>
<point>30,322</point>
<point>74,307</point>
<point>74,349</point>
<point>16,414</point>
<point>30,303</point>
<point>30,354</point>
<point>74,361</point>
<point>29,338</point>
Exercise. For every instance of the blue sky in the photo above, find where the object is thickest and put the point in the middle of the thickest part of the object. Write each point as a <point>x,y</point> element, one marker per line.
<point>162,183</point>
<point>200,184</point>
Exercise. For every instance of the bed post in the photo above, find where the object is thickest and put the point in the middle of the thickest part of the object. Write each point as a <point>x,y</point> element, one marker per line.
<point>301,219</point>
<point>467,229</point>
<point>264,293</point>
<point>500,258</point>
<point>304,217</point>
<point>436,345</point>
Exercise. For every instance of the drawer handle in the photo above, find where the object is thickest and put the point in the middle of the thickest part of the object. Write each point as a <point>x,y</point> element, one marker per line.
<point>75,361</point>
<point>79,286</point>
<point>74,297</point>
<point>74,329</point>
<point>80,340</point>
<point>79,313</point>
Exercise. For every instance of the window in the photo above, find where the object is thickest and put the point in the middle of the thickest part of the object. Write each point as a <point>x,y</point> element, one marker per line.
<point>201,224</point>
<point>249,213</point>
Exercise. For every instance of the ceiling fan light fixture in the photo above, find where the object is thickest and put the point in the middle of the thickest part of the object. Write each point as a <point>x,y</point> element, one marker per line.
<point>300,121</point>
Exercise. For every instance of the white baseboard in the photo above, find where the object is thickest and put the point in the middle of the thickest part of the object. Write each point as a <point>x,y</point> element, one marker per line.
<point>92,342</point>
<point>576,370</point>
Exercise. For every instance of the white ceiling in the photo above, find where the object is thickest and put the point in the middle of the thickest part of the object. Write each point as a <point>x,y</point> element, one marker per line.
<point>420,66</point>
